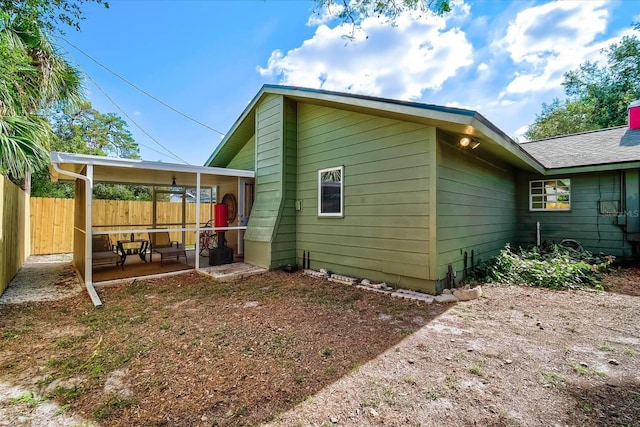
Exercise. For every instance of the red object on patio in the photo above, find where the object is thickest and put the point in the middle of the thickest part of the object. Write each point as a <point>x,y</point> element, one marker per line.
<point>221,216</point>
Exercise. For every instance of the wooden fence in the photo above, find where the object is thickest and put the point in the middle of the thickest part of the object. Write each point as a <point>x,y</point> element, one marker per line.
<point>52,221</point>
<point>14,208</point>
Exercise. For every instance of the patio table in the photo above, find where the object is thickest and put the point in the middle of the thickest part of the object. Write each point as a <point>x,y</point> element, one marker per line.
<point>133,247</point>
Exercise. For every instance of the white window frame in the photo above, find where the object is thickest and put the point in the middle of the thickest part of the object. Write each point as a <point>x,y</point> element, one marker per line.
<point>331,214</point>
<point>549,194</point>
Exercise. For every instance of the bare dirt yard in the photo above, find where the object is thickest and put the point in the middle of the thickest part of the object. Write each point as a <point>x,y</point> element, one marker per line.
<point>287,349</point>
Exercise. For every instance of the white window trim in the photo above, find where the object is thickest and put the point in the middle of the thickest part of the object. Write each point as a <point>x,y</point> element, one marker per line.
<point>545,209</point>
<point>331,214</point>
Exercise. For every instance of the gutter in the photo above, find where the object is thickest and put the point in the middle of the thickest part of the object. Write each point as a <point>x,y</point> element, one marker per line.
<point>87,283</point>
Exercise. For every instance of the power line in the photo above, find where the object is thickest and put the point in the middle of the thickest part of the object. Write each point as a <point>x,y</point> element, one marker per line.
<point>138,88</point>
<point>172,154</point>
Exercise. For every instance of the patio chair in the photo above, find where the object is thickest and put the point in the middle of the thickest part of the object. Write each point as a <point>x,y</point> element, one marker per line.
<point>162,244</point>
<point>103,252</point>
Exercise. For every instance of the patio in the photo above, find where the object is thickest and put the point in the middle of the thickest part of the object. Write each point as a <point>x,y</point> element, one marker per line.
<point>183,200</point>
<point>135,267</point>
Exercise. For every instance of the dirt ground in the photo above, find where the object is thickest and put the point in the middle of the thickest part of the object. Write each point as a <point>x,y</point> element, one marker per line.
<point>287,349</point>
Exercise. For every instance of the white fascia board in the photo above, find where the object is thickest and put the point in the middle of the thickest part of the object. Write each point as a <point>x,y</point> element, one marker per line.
<point>61,158</point>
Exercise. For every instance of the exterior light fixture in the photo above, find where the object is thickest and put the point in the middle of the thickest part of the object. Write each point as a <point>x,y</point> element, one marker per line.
<point>173,182</point>
<point>465,141</point>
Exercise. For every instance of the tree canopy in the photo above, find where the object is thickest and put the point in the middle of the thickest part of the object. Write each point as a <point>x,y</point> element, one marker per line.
<point>598,96</point>
<point>355,11</point>
<point>48,14</point>
<point>84,130</point>
<point>33,77</point>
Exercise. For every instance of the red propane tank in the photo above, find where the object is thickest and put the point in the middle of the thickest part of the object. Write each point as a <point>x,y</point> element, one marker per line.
<point>221,215</point>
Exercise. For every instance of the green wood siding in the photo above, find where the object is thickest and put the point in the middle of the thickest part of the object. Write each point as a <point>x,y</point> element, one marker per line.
<point>583,222</point>
<point>476,208</point>
<point>384,233</point>
<point>271,228</point>
<point>246,157</point>
<point>268,181</point>
<point>283,248</point>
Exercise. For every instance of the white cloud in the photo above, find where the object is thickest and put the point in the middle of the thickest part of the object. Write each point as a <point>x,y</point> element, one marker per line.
<point>400,61</point>
<point>546,41</point>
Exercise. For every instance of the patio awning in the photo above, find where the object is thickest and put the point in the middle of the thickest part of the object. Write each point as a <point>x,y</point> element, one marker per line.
<point>141,172</point>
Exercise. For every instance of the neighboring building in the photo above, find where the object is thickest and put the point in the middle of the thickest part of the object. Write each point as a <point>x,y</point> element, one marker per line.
<point>410,193</point>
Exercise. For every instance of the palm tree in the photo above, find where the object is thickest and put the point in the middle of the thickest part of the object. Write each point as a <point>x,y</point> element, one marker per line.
<point>33,77</point>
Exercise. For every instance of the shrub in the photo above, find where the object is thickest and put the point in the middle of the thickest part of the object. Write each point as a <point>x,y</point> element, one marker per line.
<point>553,266</point>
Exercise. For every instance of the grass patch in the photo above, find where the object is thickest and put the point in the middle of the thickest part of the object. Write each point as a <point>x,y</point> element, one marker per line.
<point>29,398</point>
<point>582,370</point>
<point>111,407</point>
<point>553,378</point>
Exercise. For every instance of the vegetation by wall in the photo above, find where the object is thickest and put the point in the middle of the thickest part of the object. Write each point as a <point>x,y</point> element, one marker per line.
<point>14,250</point>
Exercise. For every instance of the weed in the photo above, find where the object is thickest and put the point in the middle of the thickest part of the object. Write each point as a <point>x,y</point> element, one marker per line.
<point>552,266</point>
<point>371,403</point>
<point>182,331</point>
<point>327,351</point>
<point>165,325</point>
<point>66,394</point>
<point>299,379</point>
<point>630,352</point>
<point>553,378</point>
<point>582,370</point>
<point>476,370</point>
<point>585,406</point>
<point>30,398</point>
<point>579,369</point>
<point>9,335</point>
<point>451,381</point>
<point>432,394</point>
<point>62,409</point>
<point>112,405</point>
<point>605,347</point>
<point>46,380</point>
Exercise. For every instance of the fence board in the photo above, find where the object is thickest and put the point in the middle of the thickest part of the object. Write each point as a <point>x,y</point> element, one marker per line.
<point>52,221</point>
<point>14,207</point>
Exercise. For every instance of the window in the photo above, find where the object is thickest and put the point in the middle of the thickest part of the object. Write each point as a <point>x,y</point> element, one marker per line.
<point>330,191</point>
<point>550,195</point>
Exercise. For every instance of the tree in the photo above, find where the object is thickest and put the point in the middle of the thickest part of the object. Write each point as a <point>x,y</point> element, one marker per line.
<point>597,96</point>
<point>47,14</point>
<point>355,11</point>
<point>33,77</point>
<point>84,130</point>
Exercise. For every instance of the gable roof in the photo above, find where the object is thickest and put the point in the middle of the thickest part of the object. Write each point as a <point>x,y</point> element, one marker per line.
<point>612,147</point>
<point>457,121</point>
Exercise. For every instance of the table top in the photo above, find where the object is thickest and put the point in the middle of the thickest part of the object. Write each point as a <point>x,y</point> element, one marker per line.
<point>121,242</point>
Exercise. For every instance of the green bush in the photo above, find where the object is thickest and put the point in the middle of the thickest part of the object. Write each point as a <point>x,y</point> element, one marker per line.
<point>553,266</point>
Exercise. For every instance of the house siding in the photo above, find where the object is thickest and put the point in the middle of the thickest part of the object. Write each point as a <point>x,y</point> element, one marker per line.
<point>246,157</point>
<point>268,181</point>
<point>384,233</point>
<point>283,248</point>
<point>476,208</point>
<point>595,231</point>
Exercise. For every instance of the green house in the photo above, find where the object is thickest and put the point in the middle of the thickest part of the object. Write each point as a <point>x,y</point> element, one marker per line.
<point>414,194</point>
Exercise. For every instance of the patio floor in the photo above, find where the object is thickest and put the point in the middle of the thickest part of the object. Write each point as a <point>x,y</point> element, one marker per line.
<point>135,267</point>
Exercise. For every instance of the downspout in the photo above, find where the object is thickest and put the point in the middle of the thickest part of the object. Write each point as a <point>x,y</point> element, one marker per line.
<point>88,279</point>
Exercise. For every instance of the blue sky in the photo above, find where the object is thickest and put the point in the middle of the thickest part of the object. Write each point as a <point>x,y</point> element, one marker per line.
<point>208,59</point>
